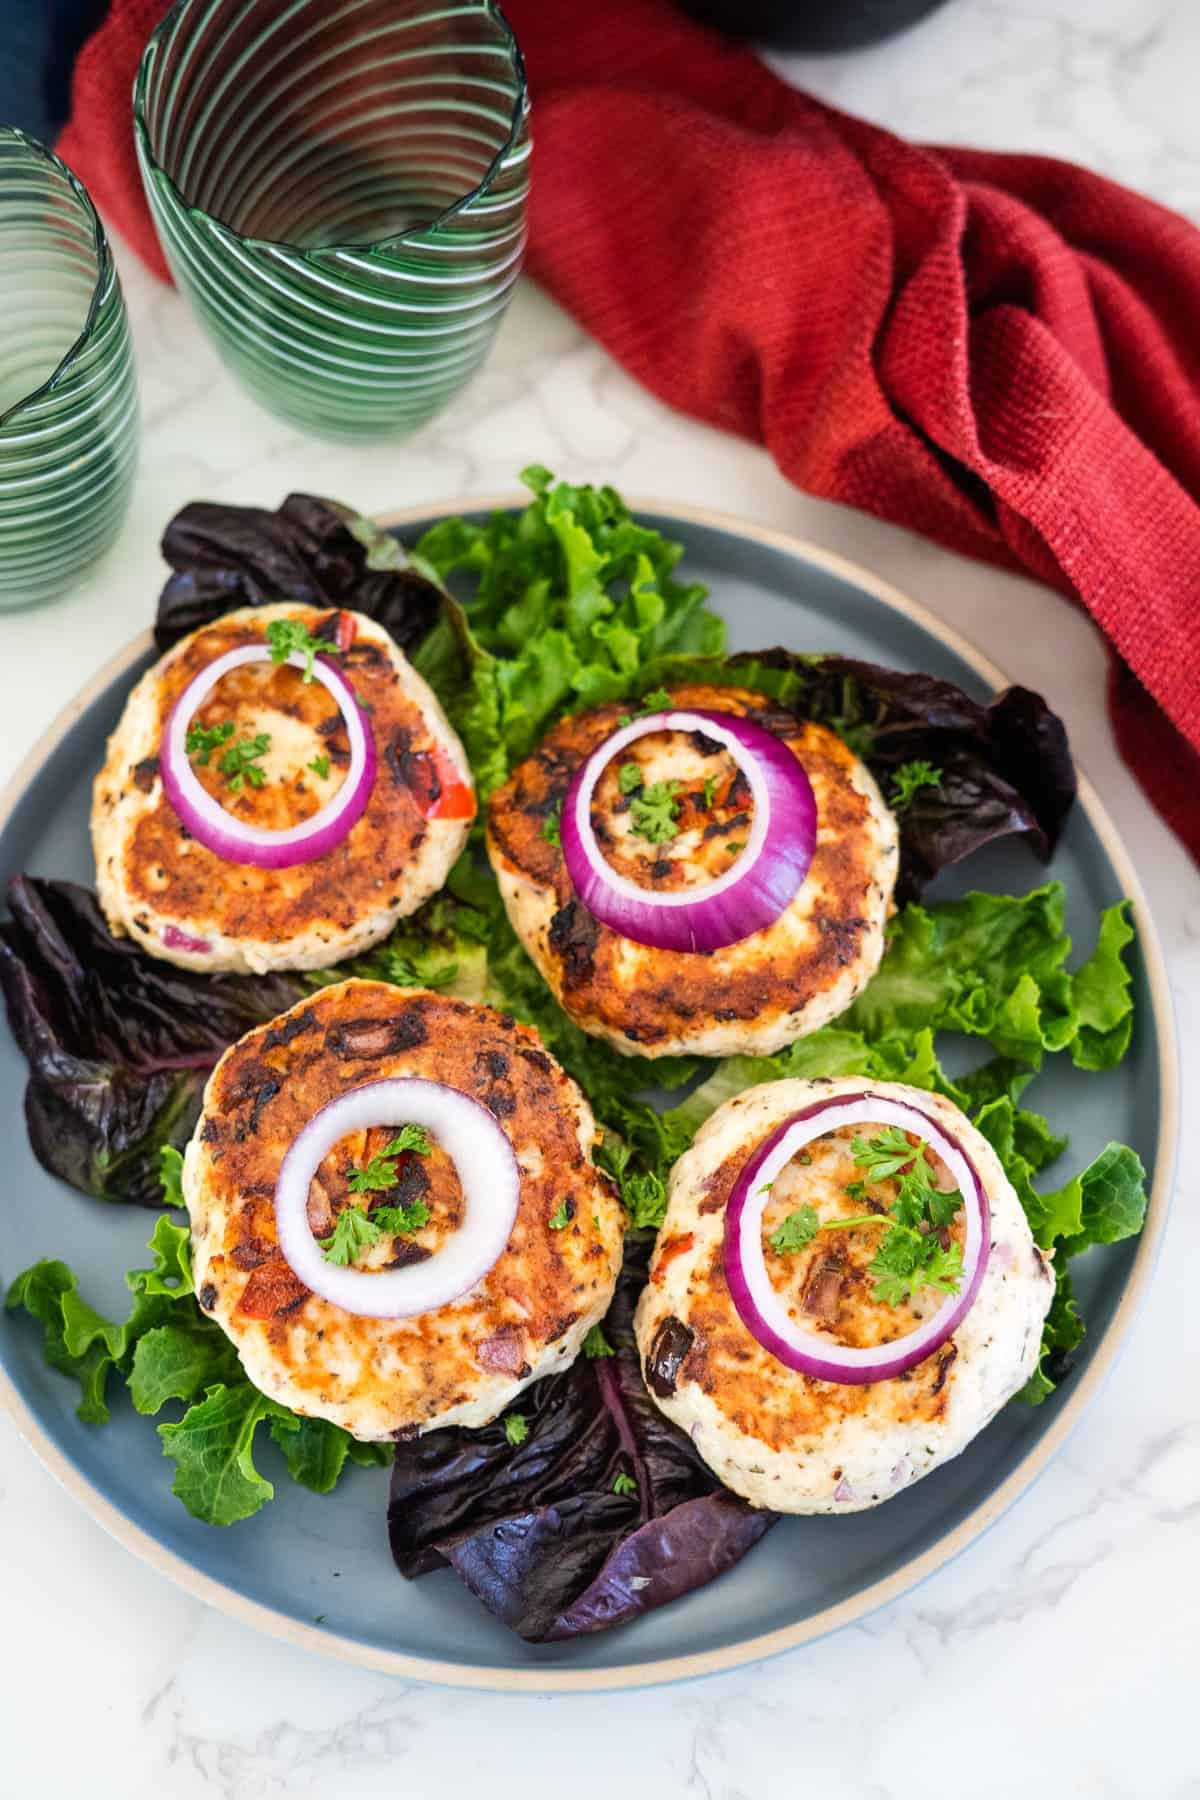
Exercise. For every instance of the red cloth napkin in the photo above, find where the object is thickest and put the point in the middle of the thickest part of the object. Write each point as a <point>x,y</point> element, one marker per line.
<point>998,351</point>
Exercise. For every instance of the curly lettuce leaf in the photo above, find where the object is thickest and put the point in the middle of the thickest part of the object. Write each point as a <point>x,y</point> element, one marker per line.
<point>563,603</point>
<point>81,1342</point>
<point>178,1362</point>
<point>1103,1003</point>
<point>168,1350</point>
<point>212,1448</point>
<point>1103,1204</point>
<point>993,966</point>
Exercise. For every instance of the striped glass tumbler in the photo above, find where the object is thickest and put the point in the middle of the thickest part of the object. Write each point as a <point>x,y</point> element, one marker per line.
<point>340,190</point>
<point>68,394</point>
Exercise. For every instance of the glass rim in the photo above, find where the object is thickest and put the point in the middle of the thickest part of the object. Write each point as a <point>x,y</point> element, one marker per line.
<point>42,153</point>
<point>413,232</point>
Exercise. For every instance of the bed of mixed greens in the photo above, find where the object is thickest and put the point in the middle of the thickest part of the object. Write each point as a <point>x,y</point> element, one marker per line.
<point>514,621</point>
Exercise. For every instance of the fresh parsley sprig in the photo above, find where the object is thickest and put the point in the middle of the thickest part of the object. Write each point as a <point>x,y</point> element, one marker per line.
<point>239,764</point>
<point>202,740</point>
<point>380,1172</point>
<point>399,1220</point>
<point>292,636</point>
<point>657,700</point>
<point>908,780</point>
<point>353,1232</point>
<point>910,1255</point>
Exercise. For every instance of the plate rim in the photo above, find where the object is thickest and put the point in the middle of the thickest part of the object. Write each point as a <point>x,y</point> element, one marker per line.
<point>540,1679</point>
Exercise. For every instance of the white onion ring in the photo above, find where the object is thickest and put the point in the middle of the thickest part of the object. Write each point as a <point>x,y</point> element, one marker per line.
<point>762,1309</point>
<point>487,1169</point>
<point>750,895</point>
<point>233,839</point>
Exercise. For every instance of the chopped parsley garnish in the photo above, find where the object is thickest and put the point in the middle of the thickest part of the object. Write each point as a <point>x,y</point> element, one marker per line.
<point>352,1233</point>
<point>657,701</point>
<point>398,1220</point>
<point>910,1255</point>
<point>320,766</point>
<point>289,637</point>
<point>560,1218</point>
<point>886,1154</point>
<point>710,788</point>
<point>734,849</point>
<point>596,1344</point>
<point>355,1230</point>
<point>515,1429</point>
<point>552,827</point>
<point>629,777</point>
<point>624,1484</point>
<point>202,740</point>
<point>239,764</point>
<point>909,778</point>
<point>380,1172</point>
<point>170,1173</point>
<point>796,1232</point>
<point>654,812</point>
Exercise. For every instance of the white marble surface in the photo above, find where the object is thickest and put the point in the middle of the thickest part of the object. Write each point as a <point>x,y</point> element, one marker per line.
<point>1058,1656</point>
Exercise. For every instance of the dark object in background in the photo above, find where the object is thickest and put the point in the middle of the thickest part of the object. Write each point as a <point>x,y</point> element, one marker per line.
<point>811,24</point>
<point>39,41</point>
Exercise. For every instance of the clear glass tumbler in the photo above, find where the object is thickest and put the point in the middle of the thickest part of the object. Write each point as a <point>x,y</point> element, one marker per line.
<point>340,190</point>
<point>68,392</point>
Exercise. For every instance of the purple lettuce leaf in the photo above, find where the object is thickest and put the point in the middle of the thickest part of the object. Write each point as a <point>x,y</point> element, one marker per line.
<point>537,1531</point>
<point>312,550</point>
<point>119,1045</point>
<point>1004,768</point>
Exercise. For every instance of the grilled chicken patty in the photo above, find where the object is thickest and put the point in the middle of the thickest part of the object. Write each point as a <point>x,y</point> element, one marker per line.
<point>772,1434</point>
<point>463,1364</point>
<point>189,906</point>
<point>755,995</point>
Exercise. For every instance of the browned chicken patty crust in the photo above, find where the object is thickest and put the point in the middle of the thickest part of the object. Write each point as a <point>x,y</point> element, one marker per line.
<point>463,1363</point>
<point>755,994</point>
<point>152,875</point>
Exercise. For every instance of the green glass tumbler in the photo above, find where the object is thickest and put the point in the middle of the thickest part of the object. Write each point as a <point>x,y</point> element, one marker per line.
<point>340,190</point>
<point>68,392</point>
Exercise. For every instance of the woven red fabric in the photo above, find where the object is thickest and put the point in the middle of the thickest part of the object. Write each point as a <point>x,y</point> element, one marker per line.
<point>998,351</point>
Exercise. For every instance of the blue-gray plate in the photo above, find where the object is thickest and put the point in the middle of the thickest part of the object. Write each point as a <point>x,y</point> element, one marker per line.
<point>304,1557</point>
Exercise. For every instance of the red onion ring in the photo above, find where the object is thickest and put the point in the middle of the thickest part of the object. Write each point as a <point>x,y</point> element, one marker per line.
<point>233,839</point>
<point>487,1169</point>
<point>748,897</point>
<point>763,1311</point>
